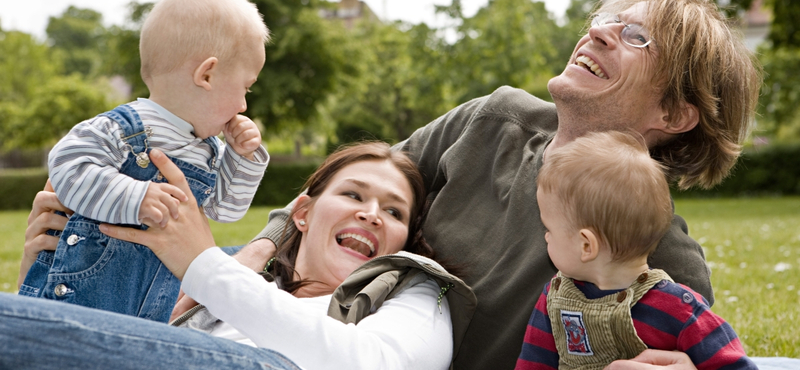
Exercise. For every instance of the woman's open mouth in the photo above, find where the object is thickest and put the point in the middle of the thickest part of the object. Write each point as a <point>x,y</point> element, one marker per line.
<point>356,242</point>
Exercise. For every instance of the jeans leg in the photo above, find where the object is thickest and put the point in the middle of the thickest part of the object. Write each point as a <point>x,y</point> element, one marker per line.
<point>42,334</point>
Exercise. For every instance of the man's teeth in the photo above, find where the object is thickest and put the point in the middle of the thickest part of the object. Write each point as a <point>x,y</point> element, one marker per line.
<point>359,238</point>
<point>587,62</point>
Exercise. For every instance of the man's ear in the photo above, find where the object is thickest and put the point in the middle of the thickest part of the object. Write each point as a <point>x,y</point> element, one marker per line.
<point>590,245</point>
<point>300,212</point>
<point>688,118</point>
<point>204,72</point>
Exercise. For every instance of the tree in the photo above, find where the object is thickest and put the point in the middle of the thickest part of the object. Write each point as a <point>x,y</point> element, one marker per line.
<point>303,65</point>
<point>508,42</point>
<point>78,35</point>
<point>37,103</point>
<point>399,88</point>
<point>780,56</point>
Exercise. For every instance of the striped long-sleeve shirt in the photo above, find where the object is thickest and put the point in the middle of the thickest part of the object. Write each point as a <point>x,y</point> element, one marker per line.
<point>668,317</point>
<point>84,168</point>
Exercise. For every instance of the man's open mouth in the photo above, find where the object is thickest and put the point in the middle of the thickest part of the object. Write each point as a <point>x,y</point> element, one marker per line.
<point>357,243</point>
<point>590,65</point>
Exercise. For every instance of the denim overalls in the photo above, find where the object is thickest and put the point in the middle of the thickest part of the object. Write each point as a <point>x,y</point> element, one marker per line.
<point>93,270</point>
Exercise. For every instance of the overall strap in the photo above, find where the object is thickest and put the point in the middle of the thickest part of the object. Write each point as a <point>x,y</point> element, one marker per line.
<point>134,133</point>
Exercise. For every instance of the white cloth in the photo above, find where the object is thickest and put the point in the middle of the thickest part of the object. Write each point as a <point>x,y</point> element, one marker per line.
<point>84,168</point>
<point>406,332</point>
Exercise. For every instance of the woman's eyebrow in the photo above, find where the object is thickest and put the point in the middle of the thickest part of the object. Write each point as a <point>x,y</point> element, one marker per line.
<point>392,195</point>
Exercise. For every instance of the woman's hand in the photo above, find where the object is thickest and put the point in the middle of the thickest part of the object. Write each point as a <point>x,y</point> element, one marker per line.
<point>40,220</point>
<point>182,239</point>
<point>653,359</point>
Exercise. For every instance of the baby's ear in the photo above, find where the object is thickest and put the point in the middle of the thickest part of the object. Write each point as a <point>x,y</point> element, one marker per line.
<point>204,73</point>
<point>590,245</point>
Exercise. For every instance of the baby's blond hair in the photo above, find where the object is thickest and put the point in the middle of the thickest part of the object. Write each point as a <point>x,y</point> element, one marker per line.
<point>607,182</point>
<point>177,31</point>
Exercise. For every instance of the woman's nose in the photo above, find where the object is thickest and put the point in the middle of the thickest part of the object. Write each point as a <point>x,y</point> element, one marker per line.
<point>370,215</point>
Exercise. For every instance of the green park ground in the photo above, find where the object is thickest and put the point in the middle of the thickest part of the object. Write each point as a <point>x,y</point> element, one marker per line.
<point>752,246</point>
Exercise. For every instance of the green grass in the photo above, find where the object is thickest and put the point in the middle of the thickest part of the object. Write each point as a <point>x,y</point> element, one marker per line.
<point>752,246</point>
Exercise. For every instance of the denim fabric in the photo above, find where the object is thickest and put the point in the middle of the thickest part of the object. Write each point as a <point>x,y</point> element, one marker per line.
<point>93,270</point>
<point>40,334</point>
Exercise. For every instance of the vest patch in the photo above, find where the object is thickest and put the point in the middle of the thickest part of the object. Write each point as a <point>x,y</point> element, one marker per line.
<point>577,339</point>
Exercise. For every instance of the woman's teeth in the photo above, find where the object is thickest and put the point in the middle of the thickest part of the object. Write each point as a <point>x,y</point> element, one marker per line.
<point>589,64</point>
<point>356,242</point>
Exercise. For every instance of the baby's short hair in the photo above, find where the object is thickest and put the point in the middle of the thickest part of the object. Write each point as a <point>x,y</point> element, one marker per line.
<point>607,182</point>
<point>176,31</point>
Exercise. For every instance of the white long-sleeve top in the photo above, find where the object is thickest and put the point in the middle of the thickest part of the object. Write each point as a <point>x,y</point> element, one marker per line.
<point>406,332</point>
<point>84,167</point>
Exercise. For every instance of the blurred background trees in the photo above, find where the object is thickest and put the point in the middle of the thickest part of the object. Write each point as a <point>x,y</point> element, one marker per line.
<point>329,80</point>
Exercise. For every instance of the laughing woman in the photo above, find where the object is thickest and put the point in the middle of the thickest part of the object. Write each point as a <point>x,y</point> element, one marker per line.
<point>351,287</point>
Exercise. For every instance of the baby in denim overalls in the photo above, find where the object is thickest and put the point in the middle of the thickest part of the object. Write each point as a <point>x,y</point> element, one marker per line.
<point>606,204</point>
<point>199,58</point>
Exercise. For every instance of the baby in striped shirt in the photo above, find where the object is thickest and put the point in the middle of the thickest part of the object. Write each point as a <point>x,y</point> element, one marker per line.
<point>606,203</point>
<point>199,59</point>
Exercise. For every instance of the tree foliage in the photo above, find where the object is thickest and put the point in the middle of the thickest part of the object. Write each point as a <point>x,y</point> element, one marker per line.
<point>78,34</point>
<point>38,104</point>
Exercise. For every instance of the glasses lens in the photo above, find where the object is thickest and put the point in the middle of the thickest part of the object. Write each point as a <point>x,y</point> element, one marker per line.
<point>635,35</point>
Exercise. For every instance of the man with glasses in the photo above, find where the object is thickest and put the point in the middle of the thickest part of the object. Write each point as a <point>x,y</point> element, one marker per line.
<point>670,70</point>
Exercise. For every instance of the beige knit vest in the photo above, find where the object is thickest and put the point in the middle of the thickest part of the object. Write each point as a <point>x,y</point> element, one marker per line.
<point>592,333</point>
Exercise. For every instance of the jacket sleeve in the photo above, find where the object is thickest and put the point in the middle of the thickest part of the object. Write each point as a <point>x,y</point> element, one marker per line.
<point>683,259</point>
<point>84,169</point>
<point>406,332</point>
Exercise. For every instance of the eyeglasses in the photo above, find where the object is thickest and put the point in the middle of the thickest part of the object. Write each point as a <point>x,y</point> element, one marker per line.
<point>632,34</point>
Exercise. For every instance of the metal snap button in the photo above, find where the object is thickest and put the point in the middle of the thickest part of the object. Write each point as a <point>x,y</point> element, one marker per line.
<point>622,295</point>
<point>159,177</point>
<point>73,239</point>
<point>208,191</point>
<point>60,290</point>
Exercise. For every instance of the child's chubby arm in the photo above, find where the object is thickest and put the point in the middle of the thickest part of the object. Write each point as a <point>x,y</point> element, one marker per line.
<point>242,135</point>
<point>160,202</point>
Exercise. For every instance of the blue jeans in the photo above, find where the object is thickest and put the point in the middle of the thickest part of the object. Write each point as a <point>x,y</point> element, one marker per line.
<point>43,334</point>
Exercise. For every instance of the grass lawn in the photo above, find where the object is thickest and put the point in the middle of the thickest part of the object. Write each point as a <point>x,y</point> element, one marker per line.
<point>752,246</point>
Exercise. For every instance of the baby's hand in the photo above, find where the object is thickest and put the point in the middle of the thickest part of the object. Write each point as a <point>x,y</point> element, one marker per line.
<point>242,136</point>
<point>161,199</point>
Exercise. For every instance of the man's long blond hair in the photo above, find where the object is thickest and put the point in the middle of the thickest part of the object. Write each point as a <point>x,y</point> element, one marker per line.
<point>177,31</point>
<point>700,60</point>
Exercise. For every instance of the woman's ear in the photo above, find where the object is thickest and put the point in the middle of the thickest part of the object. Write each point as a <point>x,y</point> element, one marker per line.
<point>590,245</point>
<point>300,212</point>
<point>203,74</point>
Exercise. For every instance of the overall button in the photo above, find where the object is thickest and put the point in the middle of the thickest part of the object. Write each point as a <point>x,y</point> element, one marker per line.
<point>60,290</point>
<point>73,239</point>
<point>159,177</point>
<point>208,191</point>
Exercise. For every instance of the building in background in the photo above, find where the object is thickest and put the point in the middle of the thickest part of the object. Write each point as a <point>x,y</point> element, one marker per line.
<point>349,12</point>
